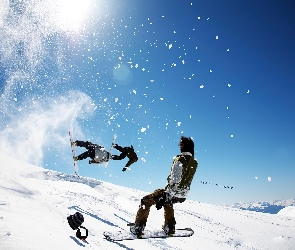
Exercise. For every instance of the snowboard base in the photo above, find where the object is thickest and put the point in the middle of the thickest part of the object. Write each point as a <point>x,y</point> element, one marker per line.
<point>74,154</point>
<point>125,235</point>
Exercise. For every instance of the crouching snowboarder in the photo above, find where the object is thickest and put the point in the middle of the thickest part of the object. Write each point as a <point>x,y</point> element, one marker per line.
<point>178,184</point>
<point>125,151</point>
<point>97,153</point>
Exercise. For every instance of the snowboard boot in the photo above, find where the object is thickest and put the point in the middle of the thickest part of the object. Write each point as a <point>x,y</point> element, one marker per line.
<point>136,230</point>
<point>169,230</point>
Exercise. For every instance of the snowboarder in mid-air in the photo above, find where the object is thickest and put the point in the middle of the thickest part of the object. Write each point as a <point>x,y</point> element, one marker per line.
<point>179,180</point>
<point>125,151</point>
<point>97,153</point>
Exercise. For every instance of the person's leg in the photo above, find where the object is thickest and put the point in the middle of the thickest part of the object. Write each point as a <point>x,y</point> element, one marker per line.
<point>84,144</point>
<point>83,156</point>
<point>116,146</point>
<point>145,205</point>
<point>121,156</point>
<point>89,153</point>
<point>169,219</point>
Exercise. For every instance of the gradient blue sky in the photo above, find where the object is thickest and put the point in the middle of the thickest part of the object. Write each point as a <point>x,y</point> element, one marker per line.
<point>222,72</point>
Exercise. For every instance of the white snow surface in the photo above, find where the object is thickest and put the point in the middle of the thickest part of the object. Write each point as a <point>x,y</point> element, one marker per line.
<point>288,211</point>
<point>35,203</point>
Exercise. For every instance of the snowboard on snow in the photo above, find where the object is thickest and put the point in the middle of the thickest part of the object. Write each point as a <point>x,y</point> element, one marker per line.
<point>74,153</point>
<point>126,235</point>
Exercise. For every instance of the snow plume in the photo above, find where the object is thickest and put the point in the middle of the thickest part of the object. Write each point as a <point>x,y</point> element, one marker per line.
<point>43,123</point>
<point>31,40</point>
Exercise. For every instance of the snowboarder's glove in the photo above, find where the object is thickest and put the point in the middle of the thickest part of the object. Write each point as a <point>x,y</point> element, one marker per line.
<point>124,169</point>
<point>165,199</point>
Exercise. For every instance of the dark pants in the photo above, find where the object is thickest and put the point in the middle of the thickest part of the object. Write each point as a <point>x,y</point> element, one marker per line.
<point>126,151</point>
<point>90,150</point>
<point>144,210</point>
<point>123,154</point>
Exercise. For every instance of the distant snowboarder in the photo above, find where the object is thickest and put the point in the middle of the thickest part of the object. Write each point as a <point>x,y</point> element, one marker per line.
<point>125,151</point>
<point>97,153</point>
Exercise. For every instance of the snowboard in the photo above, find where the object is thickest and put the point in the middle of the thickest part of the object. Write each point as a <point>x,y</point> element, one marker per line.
<point>125,235</point>
<point>113,142</point>
<point>74,153</point>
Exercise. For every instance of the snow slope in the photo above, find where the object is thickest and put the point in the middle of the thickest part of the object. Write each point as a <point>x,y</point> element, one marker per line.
<point>288,211</point>
<point>35,202</point>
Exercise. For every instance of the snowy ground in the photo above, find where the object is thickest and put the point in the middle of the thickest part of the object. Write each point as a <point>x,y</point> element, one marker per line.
<point>35,202</point>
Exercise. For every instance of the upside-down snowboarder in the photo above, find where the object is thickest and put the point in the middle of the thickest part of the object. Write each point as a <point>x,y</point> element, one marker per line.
<point>179,180</point>
<point>97,153</point>
<point>125,151</point>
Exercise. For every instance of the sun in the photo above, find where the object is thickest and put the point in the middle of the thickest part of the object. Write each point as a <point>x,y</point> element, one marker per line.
<point>71,14</point>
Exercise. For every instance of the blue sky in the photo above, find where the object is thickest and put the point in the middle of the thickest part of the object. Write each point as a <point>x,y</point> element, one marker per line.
<point>221,72</point>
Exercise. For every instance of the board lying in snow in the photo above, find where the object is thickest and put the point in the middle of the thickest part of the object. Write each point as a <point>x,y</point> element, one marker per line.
<point>125,235</point>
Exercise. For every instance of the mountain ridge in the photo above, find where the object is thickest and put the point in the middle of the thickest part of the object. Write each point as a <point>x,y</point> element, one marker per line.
<point>271,207</point>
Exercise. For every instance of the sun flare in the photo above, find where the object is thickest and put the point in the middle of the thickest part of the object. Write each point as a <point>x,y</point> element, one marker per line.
<point>71,14</point>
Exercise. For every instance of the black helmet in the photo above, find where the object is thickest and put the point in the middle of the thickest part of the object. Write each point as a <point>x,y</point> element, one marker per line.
<point>75,220</point>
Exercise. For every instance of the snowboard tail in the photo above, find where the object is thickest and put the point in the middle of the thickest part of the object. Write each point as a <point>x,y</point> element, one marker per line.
<point>74,153</point>
<point>125,235</point>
